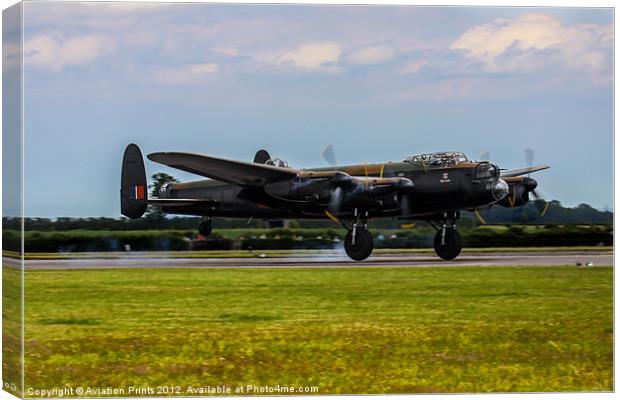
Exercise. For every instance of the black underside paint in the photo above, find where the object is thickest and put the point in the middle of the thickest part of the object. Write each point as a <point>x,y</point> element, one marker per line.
<point>434,193</point>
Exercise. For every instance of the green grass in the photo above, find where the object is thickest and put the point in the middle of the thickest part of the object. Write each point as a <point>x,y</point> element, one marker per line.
<point>367,330</point>
<point>11,329</point>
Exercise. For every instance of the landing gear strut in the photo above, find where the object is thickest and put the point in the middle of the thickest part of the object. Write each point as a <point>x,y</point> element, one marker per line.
<point>447,240</point>
<point>205,227</point>
<point>358,243</point>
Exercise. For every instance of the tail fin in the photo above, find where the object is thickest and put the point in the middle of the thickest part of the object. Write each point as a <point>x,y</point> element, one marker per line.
<point>134,194</point>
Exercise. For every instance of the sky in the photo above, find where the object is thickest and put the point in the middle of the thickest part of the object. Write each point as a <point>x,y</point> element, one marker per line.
<point>379,83</point>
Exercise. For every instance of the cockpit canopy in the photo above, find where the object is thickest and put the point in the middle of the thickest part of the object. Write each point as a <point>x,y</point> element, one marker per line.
<point>277,162</point>
<point>438,159</point>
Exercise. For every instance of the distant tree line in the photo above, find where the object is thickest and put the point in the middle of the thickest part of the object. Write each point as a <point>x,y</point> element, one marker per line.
<point>555,214</point>
<point>286,238</point>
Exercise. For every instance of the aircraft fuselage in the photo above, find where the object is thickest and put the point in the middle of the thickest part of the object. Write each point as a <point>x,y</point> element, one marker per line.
<point>436,190</point>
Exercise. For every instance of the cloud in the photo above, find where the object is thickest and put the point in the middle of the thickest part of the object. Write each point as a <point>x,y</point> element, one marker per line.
<point>472,58</point>
<point>47,51</point>
<point>227,51</point>
<point>412,67</point>
<point>11,55</point>
<point>330,57</point>
<point>374,54</point>
<point>141,39</point>
<point>186,74</point>
<point>321,57</point>
<point>534,41</point>
<point>199,69</point>
<point>530,55</point>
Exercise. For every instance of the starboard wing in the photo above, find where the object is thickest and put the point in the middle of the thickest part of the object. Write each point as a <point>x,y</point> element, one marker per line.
<point>230,171</point>
<point>518,172</point>
<point>179,202</point>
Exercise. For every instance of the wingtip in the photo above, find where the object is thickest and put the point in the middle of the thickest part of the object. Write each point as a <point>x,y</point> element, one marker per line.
<point>539,168</point>
<point>153,156</point>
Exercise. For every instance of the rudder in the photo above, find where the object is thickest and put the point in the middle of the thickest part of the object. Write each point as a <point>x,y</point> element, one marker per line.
<point>133,183</point>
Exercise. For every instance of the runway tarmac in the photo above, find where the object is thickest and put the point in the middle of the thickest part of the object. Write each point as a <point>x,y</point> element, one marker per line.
<point>466,259</point>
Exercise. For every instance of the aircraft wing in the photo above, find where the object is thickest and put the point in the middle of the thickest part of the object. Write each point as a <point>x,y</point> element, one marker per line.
<point>518,172</point>
<point>179,202</point>
<point>235,172</point>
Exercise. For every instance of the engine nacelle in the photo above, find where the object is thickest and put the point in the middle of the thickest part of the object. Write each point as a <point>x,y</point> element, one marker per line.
<point>301,189</point>
<point>518,192</point>
<point>321,187</point>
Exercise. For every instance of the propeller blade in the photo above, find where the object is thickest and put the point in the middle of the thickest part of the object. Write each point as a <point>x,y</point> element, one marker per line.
<point>387,171</point>
<point>329,156</point>
<point>541,204</point>
<point>529,157</point>
<point>486,156</point>
<point>482,221</point>
<point>335,200</point>
<point>405,206</point>
<point>330,216</point>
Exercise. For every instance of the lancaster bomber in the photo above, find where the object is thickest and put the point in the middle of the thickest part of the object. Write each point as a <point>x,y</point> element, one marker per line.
<point>433,187</point>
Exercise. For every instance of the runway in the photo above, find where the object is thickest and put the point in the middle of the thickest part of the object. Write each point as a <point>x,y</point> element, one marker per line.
<point>466,259</point>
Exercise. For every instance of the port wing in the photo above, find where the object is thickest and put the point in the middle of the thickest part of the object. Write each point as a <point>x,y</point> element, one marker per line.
<point>230,171</point>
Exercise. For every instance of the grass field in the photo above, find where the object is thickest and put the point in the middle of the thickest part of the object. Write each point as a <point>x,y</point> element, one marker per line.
<point>11,330</point>
<point>370,330</point>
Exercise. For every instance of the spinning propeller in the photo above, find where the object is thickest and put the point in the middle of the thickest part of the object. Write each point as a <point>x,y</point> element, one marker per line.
<point>329,156</point>
<point>335,200</point>
<point>541,204</point>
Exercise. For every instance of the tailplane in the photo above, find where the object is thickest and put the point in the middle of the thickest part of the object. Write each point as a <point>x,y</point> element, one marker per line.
<point>134,194</point>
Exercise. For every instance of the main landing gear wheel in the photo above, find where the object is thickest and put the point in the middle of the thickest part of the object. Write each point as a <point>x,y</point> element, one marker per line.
<point>363,246</point>
<point>450,246</point>
<point>205,227</point>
